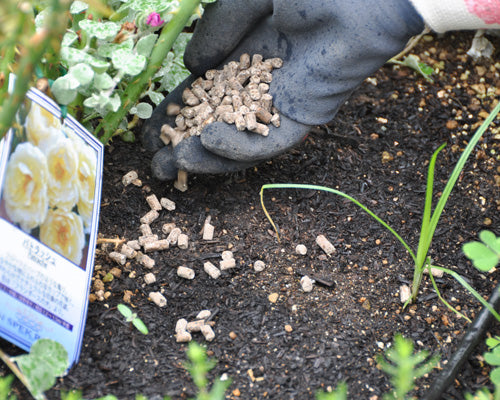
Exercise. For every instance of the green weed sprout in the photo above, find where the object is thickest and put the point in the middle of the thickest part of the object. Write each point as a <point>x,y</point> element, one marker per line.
<point>198,367</point>
<point>404,367</point>
<point>429,219</point>
<point>492,357</point>
<point>133,318</point>
<point>484,254</point>
<point>39,369</point>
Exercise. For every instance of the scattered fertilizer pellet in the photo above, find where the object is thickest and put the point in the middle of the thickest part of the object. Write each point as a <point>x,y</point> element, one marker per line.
<point>134,244</point>
<point>195,326</point>
<point>157,245</point>
<point>211,270</point>
<point>146,230</point>
<point>232,335</point>
<point>181,325</point>
<point>168,227</point>
<point>118,257</point>
<point>145,261</point>
<point>174,235</point>
<point>185,272</point>
<point>144,240</point>
<point>325,244</point>
<point>129,177</point>
<point>204,314</point>
<point>167,204</point>
<point>149,278</point>
<point>259,266</point>
<point>208,231</point>
<point>404,293</point>
<point>153,202</point>
<point>306,283</point>
<point>150,217</point>
<point>158,299</point>
<point>128,251</point>
<point>183,337</point>
<point>273,297</point>
<point>183,241</point>
<point>301,249</point>
<point>437,273</point>
<point>288,328</point>
<point>227,255</point>
<point>208,333</point>
<point>227,264</point>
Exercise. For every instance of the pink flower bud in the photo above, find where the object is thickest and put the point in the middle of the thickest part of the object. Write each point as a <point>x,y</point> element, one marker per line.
<point>154,19</point>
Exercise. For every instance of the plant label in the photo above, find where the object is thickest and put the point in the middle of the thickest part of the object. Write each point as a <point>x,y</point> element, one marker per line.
<point>50,189</point>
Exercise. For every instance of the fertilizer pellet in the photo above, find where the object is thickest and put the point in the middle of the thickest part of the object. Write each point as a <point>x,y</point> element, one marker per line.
<point>301,249</point>
<point>146,230</point>
<point>158,299</point>
<point>183,241</point>
<point>149,217</point>
<point>325,244</point>
<point>134,244</point>
<point>208,231</point>
<point>168,227</point>
<point>144,240</point>
<point>208,333</point>
<point>129,178</point>
<point>118,257</point>
<point>157,245</point>
<point>404,293</point>
<point>153,202</point>
<point>181,325</point>
<point>211,270</point>
<point>204,314</point>
<point>145,261</point>
<point>227,264</point>
<point>167,204</point>
<point>195,326</point>
<point>149,278</point>
<point>306,283</point>
<point>128,251</point>
<point>259,266</point>
<point>185,272</point>
<point>227,255</point>
<point>173,236</point>
<point>183,337</point>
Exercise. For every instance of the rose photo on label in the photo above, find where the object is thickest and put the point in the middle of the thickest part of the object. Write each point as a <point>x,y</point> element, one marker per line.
<point>49,183</point>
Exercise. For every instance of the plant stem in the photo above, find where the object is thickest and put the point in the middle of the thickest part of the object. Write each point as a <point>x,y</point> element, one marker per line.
<point>132,93</point>
<point>13,367</point>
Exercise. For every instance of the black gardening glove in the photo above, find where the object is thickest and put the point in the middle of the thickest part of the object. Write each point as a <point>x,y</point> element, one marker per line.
<point>328,47</point>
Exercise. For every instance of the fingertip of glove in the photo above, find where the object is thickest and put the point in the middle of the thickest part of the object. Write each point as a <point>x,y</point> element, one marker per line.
<point>163,164</point>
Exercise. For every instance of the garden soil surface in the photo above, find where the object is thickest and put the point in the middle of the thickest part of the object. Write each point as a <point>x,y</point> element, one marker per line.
<point>273,339</point>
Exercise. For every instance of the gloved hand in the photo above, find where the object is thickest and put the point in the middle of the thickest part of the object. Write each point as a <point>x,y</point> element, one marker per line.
<point>328,47</point>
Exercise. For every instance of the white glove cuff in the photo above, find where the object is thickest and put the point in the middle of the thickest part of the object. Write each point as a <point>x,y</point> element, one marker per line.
<point>448,15</point>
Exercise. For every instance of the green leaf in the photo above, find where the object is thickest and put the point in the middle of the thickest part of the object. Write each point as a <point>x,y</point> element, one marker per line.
<point>100,30</point>
<point>492,342</point>
<point>490,240</point>
<point>99,66</point>
<point>107,49</point>
<point>103,81</point>
<point>173,76</point>
<point>493,357</point>
<point>141,326</point>
<point>484,255</point>
<point>5,384</point>
<point>64,89</point>
<point>129,63</point>
<point>155,97</point>
<point>495,376</point>
<point>145,45</point>
<point>78,6</point>
<point>124,310</point>
<point>143,110</point>
<point>69,38</point>
<point>73,56</point>
<point>82,73</point>
<point>155,5</point>
<point>180,44</point>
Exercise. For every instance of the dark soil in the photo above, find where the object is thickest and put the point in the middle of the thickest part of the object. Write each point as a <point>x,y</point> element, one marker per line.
<point>377,150</point>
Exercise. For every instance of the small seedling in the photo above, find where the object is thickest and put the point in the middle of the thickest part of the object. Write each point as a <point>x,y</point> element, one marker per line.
<point>415,64</point>
<point>404,367</point>
<point>133,318</point>
<point>484,254</point>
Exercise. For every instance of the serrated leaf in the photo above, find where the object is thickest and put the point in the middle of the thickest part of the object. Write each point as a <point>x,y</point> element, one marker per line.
<point>103,81</point>
<point>82,73</point>
<point>100,30</point>
<point>77,7</point>
<point>64,89</point>
<point>145,45</point>
<point>129,63</point>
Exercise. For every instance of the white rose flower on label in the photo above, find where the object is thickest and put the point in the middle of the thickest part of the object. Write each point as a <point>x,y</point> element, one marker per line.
<point>42,128</point>
<point>63,232</point>
<point>25,191</point>
<point>62,161</point>
<point>87,164</point>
